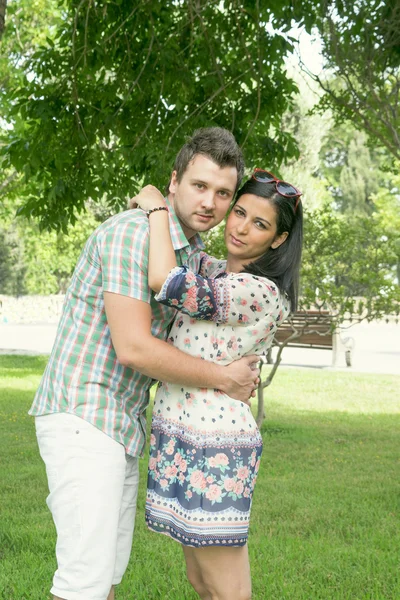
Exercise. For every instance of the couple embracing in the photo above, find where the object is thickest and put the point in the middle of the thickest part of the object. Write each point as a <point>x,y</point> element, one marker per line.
<point>147,303</point>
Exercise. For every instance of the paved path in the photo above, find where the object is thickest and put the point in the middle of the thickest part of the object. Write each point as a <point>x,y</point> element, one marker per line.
<point>377,347</point>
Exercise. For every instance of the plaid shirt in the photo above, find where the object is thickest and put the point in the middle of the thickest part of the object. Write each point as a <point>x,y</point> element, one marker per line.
<point>83,376</point>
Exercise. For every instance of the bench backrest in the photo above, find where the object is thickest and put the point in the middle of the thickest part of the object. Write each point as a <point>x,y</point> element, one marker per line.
<point>314,327</point>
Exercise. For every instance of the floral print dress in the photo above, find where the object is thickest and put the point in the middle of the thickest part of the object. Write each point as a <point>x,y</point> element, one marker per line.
<point>205,447</point>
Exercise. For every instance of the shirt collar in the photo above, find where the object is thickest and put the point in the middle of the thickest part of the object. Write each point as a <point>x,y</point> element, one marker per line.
<point>179,240</point>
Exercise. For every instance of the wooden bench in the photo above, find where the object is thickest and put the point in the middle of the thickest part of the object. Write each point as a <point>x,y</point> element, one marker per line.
<point>311,329</point>
<point>304,329</point>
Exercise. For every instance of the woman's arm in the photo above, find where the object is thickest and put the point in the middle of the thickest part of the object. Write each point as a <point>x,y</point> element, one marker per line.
<point>161,251</point>
<point>240,299</point>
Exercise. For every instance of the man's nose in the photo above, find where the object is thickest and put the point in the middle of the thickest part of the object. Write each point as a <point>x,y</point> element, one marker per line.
<point>208,201</point>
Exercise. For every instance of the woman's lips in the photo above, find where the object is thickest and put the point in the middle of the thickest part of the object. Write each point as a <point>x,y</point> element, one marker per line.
<point>235,241</point>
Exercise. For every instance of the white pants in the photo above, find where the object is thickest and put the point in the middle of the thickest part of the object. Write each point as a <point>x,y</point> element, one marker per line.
<point>93,488</point>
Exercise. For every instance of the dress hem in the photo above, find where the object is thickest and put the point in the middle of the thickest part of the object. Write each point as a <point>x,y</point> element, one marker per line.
<point>191,541</point>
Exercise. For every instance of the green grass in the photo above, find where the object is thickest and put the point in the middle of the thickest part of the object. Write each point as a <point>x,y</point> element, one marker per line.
<point>325,520</point>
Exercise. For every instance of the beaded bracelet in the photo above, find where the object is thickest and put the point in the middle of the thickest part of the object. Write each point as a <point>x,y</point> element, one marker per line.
<point>148,212</point>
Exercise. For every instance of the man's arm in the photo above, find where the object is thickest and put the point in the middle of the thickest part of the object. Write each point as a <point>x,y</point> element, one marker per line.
<point>130,326</point>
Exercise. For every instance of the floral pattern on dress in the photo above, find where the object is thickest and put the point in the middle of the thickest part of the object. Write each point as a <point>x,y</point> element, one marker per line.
<point>205,446</point>
<point>211,266</point>
<point>194,295</point>
<point>224,477</point>
<point>232,299</point>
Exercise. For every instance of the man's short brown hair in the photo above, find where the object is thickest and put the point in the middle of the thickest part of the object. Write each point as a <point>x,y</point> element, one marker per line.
<point>217,144</point>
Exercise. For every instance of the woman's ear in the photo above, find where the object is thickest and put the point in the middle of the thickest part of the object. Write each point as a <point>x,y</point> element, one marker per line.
<point>278,241</point>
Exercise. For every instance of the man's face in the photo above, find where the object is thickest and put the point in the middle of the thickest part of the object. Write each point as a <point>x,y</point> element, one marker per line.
<point>202,197</point>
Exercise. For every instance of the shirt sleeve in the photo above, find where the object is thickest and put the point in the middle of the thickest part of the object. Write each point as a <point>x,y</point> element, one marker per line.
<point>124,257</point>
<point>237,299</point>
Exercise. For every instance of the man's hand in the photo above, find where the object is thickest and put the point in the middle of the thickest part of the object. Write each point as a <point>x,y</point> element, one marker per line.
<point>149,197</point>
<point>130,327</point>
<point>242,378</point>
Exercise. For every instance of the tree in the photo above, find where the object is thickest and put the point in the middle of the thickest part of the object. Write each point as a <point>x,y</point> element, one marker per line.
<point>352,169</point>
<point>42,262</point>
<point>50,257</point>
<point>107,106</point>
<point>387,202</point>
<point>12,268</point>
<point>348,266</point>
<point>101,108</point>
<point>3,5</point>
<point>5,266</point>
<point>310,130</point>
<point>29,24</point>
<point>361,80</point>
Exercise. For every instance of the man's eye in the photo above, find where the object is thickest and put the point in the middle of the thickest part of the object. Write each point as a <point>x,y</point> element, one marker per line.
<point>200,186</point>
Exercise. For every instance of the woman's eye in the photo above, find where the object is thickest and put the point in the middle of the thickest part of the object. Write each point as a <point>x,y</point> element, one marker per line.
<point>239,212</point>
<point>260,224</point>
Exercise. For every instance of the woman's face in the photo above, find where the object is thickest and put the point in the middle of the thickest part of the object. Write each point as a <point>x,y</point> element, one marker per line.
<point>251,229</point>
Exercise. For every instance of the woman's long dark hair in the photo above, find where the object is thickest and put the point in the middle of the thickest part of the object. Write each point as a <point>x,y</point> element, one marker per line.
<point>281,265</point>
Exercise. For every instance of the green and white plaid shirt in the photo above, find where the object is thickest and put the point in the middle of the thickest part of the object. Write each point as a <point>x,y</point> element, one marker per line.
<point>83,376</point>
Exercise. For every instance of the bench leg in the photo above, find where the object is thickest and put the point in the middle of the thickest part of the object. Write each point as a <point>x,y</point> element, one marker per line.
<point>335,342</point>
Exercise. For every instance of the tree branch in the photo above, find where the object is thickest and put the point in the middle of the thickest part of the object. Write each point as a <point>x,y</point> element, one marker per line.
<point>258,77</point>
<point>199,109</point>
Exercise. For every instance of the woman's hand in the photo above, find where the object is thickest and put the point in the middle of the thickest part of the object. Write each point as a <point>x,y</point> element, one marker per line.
<point>149,197</point>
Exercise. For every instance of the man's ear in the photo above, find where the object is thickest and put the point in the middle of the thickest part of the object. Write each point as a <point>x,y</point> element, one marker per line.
<point>173,182</point>
<point>278,241</point>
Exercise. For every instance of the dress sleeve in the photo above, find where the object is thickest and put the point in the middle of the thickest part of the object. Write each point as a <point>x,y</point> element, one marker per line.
<point>239,299</point>
<point>211,266</point>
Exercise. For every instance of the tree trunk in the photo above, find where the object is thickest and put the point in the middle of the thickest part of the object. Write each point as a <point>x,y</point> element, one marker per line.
<point>260,401</point>
<point>3,4</point>
<point>263,384</point>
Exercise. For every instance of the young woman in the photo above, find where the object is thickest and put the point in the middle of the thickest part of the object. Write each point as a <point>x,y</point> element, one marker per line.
<point>205,447</point>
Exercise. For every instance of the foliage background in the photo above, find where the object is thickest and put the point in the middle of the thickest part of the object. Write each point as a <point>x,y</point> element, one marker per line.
<point>97,97</point>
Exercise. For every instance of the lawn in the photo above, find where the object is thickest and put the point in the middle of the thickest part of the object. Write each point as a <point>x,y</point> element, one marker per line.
<point>325,520</point>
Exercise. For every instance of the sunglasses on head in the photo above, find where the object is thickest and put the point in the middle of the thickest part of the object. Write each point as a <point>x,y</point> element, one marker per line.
<point>285,189</point>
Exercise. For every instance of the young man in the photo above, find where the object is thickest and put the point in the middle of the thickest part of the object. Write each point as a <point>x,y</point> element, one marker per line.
<point>109,347</point>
